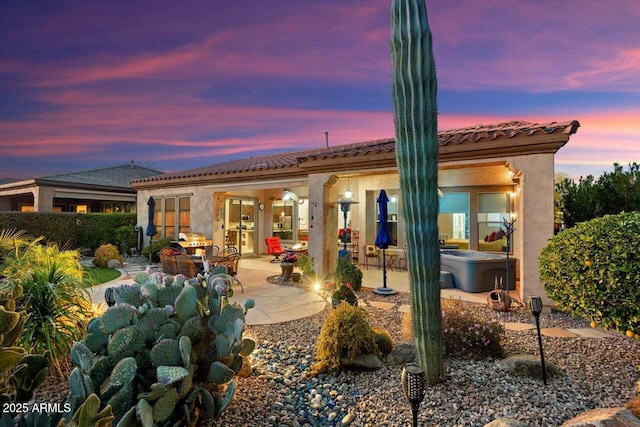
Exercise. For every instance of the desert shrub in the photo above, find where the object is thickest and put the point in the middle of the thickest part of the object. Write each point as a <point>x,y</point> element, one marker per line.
<point>156,245</point>
<point>104,253</point>
<point>345,333</point>
<point>592,270</point>
<point>348,272</point>
<point>464,334</point>
<point>53,296</point>
<point>384,341</point>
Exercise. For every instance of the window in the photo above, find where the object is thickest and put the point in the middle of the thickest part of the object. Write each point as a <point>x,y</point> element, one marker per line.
<point>493,209</point>
<point>290,219</point>
<point>453,220</point>
<point>175,215</point>
<point>282,219</point>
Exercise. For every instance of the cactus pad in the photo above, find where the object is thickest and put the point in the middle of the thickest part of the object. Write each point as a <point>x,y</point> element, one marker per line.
<point>219,373</point>
<point>127,294</point>
<point>166,352</point>
<point>116,317</point>
<point>186,304</point>
<point>144,413</point>
<point>170,374</point>
<point>164,407</point>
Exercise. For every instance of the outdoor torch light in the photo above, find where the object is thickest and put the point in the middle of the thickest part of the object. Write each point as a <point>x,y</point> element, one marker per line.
<point>535,305</point>
<point>414,387</point>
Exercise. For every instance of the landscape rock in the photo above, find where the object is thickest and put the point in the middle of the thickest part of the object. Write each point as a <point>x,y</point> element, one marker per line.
<point>246,370</point>
<point>527,365</point>
<point>402,353</point>
<point>113,263</point>
<point>363,361</point>
<point>604,417</point>
<point>506,422</point>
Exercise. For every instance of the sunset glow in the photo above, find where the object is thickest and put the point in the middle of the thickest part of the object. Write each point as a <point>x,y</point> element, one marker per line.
<point>94,84</point>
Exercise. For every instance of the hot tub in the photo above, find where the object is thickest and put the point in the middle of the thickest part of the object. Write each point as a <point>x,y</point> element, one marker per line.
<point>475,271</point>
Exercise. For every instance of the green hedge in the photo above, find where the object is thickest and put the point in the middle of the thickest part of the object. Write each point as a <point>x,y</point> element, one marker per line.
<point>593,270</point>
<point>70,230</point>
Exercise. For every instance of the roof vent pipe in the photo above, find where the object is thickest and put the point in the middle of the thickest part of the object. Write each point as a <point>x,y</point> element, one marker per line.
<point>326,138</point>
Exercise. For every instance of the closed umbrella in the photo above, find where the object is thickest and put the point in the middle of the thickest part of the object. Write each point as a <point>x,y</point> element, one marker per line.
<point>151,227</point>
<point>383,240</point>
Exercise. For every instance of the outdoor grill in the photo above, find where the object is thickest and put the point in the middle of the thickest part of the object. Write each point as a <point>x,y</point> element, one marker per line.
<point>193,241</point>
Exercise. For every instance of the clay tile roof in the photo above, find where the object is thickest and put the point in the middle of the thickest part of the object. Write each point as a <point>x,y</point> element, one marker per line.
<point>253,166</point>
<point>247,165</point>
<point>505,129</point>
<point>359,148</point>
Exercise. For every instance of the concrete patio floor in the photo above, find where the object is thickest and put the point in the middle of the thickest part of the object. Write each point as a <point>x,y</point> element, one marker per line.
<point>283,303</point>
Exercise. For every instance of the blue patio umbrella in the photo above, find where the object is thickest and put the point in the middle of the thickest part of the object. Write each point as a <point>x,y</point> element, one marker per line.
<point>151,227</point>
<point>383,240</point>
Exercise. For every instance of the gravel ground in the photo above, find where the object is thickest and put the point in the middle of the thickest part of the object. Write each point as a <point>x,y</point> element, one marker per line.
<point>596,373</point>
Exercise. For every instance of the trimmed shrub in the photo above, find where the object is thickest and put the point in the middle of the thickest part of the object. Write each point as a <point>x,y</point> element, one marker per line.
<point>156,245</point>
<point>593,271</point>
<point>464,334</point>
<point>345,333</point>
<point>69,230</point>
<point>106,253</point>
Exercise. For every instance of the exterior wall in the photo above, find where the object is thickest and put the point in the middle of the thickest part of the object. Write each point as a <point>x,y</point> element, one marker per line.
<point>323,222</point>
<point>533,207</point>
<point>534,226</point>
<point>43,199</point>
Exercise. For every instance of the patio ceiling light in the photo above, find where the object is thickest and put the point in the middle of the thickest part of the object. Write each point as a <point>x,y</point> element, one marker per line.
<point>290,195</point>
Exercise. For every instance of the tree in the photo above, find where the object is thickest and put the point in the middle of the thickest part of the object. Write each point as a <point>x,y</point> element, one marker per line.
<point>416,128</point>
<point>612,193</point>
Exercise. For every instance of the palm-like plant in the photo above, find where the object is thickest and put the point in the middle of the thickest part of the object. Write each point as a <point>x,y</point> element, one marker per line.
<point>54,297</point>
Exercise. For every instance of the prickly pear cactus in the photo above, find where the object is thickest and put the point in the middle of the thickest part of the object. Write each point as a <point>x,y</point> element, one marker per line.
<point>23,372</point>
<point>147,355</point>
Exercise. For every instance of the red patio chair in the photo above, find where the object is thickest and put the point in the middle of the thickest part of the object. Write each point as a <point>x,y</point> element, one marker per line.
<point>274,248</point>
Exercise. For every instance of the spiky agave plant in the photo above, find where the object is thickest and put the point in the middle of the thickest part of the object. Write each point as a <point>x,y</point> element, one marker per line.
<point>54,298</point>
<point>415,119</point>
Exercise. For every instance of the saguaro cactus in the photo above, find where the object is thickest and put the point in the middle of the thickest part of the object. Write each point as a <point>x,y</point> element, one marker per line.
<point>415,117</point>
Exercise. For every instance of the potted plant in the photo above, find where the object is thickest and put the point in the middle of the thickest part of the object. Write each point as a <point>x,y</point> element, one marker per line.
<point>344,292</point>
<point>348,272</point>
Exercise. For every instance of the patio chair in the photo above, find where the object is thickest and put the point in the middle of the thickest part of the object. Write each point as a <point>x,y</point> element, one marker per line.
<point>227,251</point>
<point>168,260</point>
<point>370,252</point>
<point>274,248</point>
<point>231,262</point>
<point>403,259</point>
<point>211,251</point>
<point>187,266</point>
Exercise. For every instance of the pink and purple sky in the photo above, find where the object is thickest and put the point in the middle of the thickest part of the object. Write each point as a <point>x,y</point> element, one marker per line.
<point>174,85</point>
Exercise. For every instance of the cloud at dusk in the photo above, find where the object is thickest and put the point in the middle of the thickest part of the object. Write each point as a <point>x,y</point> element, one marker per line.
<point>189,84</point>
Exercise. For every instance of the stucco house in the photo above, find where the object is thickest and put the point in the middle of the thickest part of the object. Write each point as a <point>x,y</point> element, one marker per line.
<point>486,173</point>
<point>87,191</point>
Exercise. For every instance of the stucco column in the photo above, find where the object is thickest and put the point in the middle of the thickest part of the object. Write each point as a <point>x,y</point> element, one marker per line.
<point>323,223</point>
<point>43,199</point>
<point>534,225</point>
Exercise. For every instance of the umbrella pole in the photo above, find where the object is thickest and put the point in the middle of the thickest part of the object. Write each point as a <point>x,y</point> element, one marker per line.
<point>384,269</point>
<point>150,245</point>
